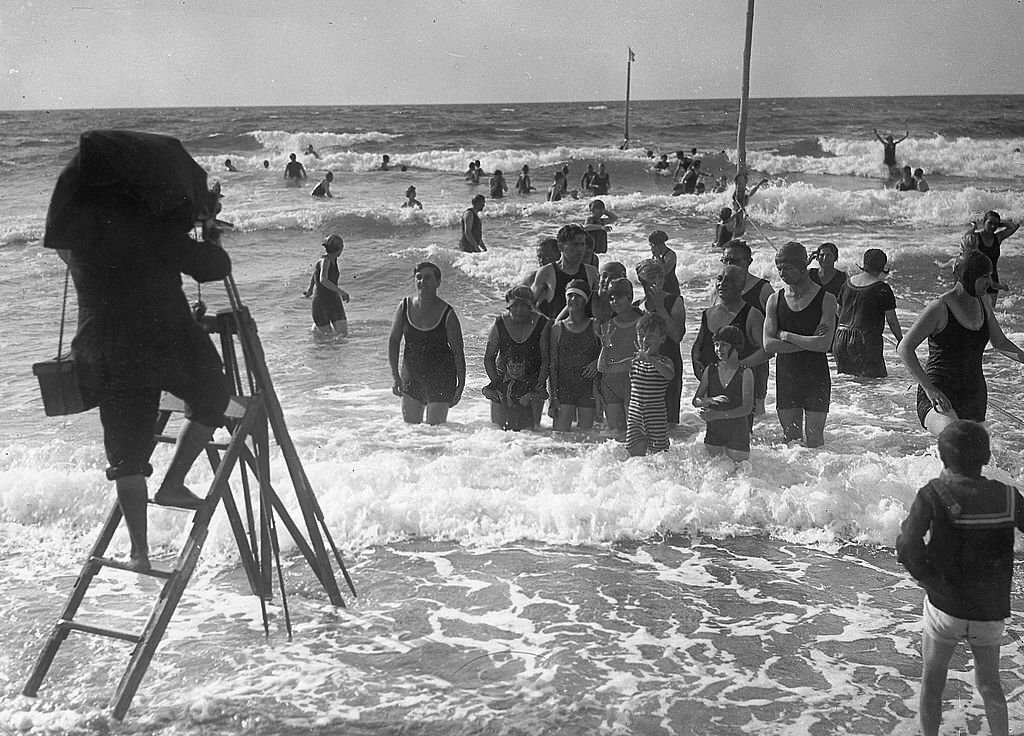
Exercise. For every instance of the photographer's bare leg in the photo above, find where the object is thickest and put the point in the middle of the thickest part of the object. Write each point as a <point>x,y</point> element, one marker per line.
<point>131,495</point>
<point>191,441</point>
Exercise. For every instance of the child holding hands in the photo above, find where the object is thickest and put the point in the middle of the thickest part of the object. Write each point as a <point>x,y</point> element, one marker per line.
<point>725,397</point>
<point>649,376</point>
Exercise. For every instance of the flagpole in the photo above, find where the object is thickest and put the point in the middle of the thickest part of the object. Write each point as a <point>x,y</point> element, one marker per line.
<point>629,67</point>
<point>739,194</point>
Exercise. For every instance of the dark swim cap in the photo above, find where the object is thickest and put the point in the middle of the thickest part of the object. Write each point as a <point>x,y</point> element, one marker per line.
<point>971,267</point>
<point>792,252</point>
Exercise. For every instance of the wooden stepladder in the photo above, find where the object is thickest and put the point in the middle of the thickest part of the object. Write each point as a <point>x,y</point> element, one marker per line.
<point>253,413</point>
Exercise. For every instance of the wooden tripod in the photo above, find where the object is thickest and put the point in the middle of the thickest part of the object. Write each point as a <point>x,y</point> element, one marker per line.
<point>251,417</point>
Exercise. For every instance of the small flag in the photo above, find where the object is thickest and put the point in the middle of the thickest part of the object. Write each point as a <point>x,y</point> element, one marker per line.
<point>632,56</point>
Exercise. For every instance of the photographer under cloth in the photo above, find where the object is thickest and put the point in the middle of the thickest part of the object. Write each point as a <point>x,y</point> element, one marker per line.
<point>120,216</point>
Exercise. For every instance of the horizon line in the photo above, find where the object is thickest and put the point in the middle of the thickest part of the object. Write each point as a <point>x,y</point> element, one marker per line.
<point>503,102</point>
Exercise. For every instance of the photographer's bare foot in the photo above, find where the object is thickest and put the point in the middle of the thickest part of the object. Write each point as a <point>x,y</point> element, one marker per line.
<point>139,563</point>
<point>180,497</point>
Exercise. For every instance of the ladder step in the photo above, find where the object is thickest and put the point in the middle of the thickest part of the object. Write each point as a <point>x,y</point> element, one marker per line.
<point>168,439</point>
<point>98,631</point>
<point>118,565</point>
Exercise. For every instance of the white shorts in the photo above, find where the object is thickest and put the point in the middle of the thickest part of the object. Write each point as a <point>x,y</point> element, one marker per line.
<point>950,629</point>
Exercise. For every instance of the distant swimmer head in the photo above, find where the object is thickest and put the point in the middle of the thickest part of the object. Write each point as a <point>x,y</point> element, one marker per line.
<point>291,156</point>
<point>725,214</point>
<point>478,201</point>
<point>918,173</point>
<point>970,241</point>
<point>992,219</point>
<point>729,282</point>
<point>621,289</point>
<point>410,192</point>
<point>333,243</point>
<point>658,237</point>
<point>578,287</point>
<point>829,250</point>
<point>874,261</point>
<point>730,335</point>
<point>650,272</point>
<point>329,176</point>
<point>519,294</point>
<point>971,269</point>
<point>597,206</point>
<point>426,267</point>
<point>651,331</point>
<point>266,163</point>
<point>548,251</point>
<point>526,169</point>
<point>791,262</point>
<point>611,270</point>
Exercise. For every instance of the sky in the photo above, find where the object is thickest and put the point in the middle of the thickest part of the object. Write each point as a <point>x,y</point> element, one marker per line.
<point>196,53</point>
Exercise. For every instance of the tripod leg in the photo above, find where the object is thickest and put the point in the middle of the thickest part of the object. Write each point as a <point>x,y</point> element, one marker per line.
<point>272,533</point>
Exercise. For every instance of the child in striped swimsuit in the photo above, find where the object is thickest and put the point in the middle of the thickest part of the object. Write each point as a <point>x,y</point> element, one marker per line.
<point>649,376</point>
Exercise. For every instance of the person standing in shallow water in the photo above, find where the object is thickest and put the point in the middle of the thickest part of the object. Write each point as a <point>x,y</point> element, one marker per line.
<point>826,275</point>
<point>550,281</point>
<point>328,298</point>
<point>294,171</point>
<point>651,275</point>
<point>966,569</point>
<point>432,375</point>
<point>866,305</point>
<point>994,230</point>
<point>799,324</point>
<point>498,185</point>
<point>521,337</point>
<point>472,240</point>
<point>889,152</point>
<point>958,325</point>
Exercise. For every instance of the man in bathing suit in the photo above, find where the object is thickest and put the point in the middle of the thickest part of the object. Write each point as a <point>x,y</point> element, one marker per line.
<point>294,171</point>
<point>472,231</point>
<point>889,152</point>
<point>550,282</point>
<point>798,327</point>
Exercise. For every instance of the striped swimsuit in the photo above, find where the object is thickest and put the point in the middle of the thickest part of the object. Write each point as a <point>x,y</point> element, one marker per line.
<point>647,419</point>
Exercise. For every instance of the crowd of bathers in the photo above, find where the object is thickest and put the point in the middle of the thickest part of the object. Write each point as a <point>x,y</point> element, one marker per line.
<point>580,339</point>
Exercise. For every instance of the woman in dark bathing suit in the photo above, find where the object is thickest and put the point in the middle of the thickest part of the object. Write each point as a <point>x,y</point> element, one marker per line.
<point>958,325</point>
<point>433,371</point>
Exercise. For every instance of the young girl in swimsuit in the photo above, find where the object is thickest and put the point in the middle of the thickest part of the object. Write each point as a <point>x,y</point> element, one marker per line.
<point>726,397</point>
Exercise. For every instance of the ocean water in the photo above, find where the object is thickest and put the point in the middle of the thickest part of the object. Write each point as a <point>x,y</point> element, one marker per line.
<point>515,583</point>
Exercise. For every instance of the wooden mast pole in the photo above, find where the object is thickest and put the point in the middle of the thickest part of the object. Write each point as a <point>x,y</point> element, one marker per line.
<point>629,68</point>
<point>739,195</point>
